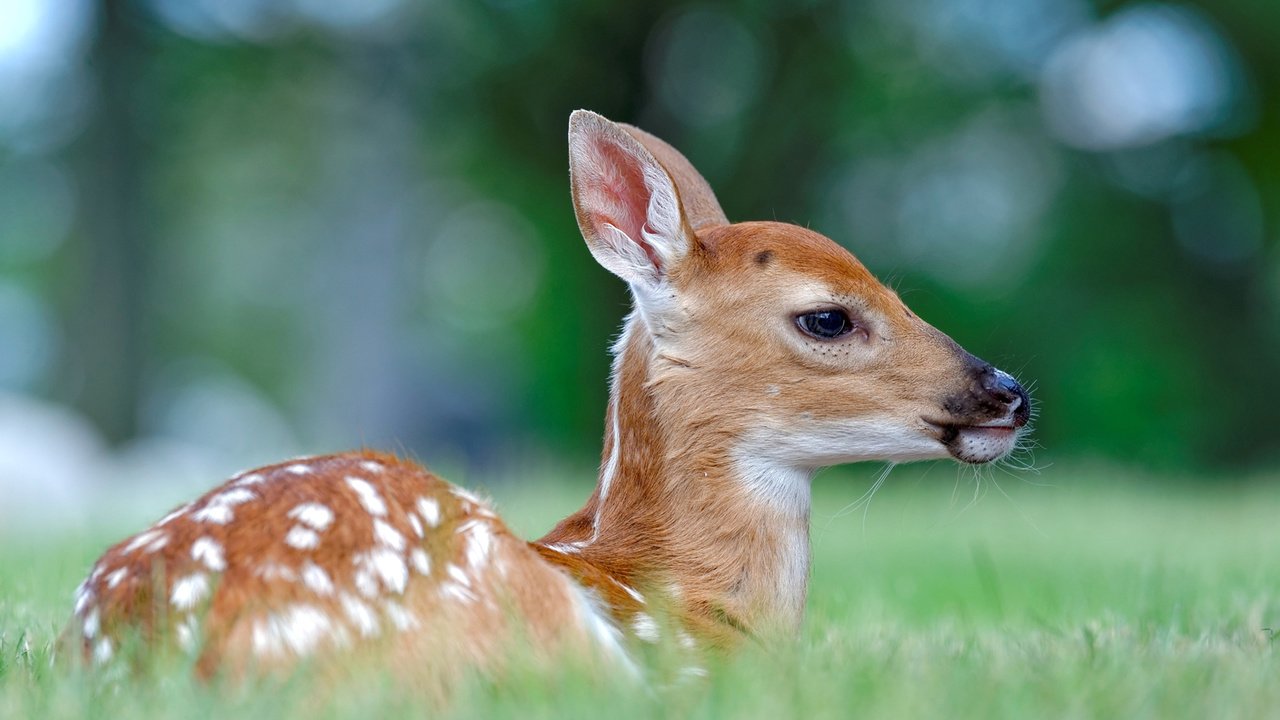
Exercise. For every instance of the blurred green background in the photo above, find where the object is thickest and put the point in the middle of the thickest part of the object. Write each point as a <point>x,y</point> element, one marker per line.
<point>231,230</point>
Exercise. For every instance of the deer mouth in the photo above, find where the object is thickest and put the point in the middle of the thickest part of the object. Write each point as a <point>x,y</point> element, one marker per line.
<point>978,443</point>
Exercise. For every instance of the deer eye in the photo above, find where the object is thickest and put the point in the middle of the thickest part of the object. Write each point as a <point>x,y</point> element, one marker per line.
<point>825,324</point>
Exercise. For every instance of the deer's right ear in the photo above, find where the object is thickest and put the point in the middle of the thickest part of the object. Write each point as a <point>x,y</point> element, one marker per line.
<point>626,203</point>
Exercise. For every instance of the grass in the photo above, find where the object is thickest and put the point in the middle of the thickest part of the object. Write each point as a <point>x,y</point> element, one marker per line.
<point>1082,595</point>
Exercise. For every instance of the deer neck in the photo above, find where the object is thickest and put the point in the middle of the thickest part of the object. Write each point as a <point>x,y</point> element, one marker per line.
<point>682,513</point>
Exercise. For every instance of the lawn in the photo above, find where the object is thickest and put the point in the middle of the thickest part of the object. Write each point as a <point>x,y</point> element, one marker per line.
<point>1072,593</point>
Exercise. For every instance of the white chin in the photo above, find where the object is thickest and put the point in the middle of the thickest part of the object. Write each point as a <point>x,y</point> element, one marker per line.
<point>983,444</point>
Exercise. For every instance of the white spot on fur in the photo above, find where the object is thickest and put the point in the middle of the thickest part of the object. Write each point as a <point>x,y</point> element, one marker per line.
<point>388,535</point>
<point>189,591</point>
<point>610,468</point>
<point>216,514</point>
<point>565,548</point>
<point>83,597</point>
<point>91,624</point>
<point>208,551</point>
<point>250,479</point>
<point>177,512</point>
<point>317,516</point>
<point>421,561</point>
<point>401,618</point>
<point>686,640</point>
<point>301,538</point>
<point>595,621</point>
<point>97,573</point>
<point>116,577</point>
<point>232,497</point>
<point>360,615</point>
<point>464,494</point>
<point>416,524</point>
<point>147,538</point>
<point>372,466</point>
<point>315,578</point>
<point>366,583</point>
<point>276,571</point>
<point>629,590</point>
<point>457,592</point>
<point>458,574</point>
<point>479,541</point>
<point>298,469</point>
<point>429,509</point>
<point>367,495</point>
<point>385,565</point>
<point>298,629</point>
<point>103,651</point>
<point>186,633</point>
<point>645,627</point>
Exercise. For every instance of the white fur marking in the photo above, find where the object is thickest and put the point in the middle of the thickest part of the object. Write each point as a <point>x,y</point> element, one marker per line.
<point>315,578</point>
<point>250,479</point>
<point>147,538</point>
<point>645,628</point>
<point>366,583</point>
<point>275,571</point>
<point>479,541</point>
<point>421,561</point>
<point>371,466</point>
<point>174,514</point>
<point>91,624</point>
<point>103,651</point>
<point>208,551</point>
<point>360,615</point>
<point>298,469</point>
<point>401,618</point>
<point>630,591</point>
<point>216,514</point>
<point>388,535</point>
<point>189,591</point>
<point>386,565</point>
<point>83,597</point>
<point>232,497</point>
<point>429,509</point>
<point>186,634</point>
<point>313,514</point>
<point>595,621</point>
<point>302,538</point>
<point>457,592</point>
<point>116,577</point>
<point>298,629</point>
<point>686,640</point>
<point>416,524</point>
<point>466,495</point>
<point>368,496</point>
<point>459,575</point>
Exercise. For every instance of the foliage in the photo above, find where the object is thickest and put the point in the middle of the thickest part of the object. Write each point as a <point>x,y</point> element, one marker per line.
<point>352,225</point>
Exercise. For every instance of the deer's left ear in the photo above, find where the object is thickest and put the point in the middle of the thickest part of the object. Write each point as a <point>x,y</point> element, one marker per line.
<point>627,205</point>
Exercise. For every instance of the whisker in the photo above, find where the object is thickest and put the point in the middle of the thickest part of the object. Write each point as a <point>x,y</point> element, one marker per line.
<point>1025,518</point>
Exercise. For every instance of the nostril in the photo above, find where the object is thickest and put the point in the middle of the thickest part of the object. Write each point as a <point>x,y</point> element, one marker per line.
<point>1002,386</point>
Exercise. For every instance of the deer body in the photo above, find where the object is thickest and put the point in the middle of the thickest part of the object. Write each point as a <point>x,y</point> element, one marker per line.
<point>756,354</point>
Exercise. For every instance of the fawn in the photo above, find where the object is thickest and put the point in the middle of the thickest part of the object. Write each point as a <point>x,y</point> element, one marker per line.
<point>756,353</point>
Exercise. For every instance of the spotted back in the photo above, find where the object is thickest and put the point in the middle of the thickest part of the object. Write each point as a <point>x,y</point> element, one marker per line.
<point>322,553</point>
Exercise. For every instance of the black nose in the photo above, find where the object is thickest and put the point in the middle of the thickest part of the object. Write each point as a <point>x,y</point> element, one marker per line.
<point>1002,388</point>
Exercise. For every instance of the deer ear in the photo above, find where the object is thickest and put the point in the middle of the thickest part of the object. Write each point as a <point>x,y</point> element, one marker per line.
<point>627,205</point>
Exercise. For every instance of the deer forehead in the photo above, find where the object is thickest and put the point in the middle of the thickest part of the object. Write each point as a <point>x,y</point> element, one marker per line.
<point>773,263</point>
